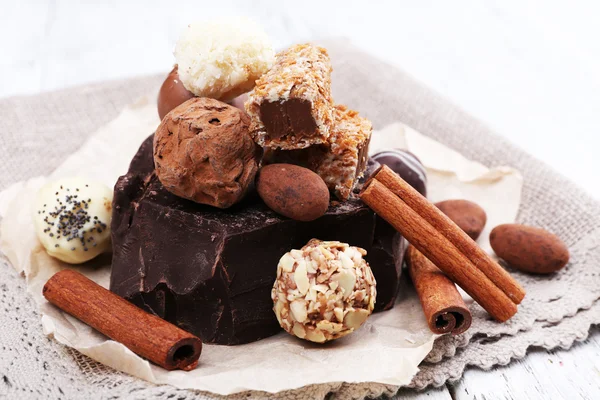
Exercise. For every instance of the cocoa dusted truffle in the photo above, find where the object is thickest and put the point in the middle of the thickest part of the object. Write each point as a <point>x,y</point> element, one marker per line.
<point>203,152</point>
<point>324,291</point>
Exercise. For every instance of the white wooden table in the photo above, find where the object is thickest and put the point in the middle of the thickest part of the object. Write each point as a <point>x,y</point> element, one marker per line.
<point>530,69</point>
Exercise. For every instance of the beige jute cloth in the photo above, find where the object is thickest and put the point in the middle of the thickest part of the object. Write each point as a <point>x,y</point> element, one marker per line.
<point>39,131</point>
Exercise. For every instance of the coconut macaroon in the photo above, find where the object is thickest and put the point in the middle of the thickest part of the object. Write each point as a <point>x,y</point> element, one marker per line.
<point>324,291</point>
<point>223,58</point>
<point>72,219</point>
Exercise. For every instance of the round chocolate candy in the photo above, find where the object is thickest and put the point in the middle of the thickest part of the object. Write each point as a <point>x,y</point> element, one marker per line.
<point>72,219</point>
<point>407,165</point>
<point>324,291</point>
<point>204,153</point>
<point>172,93</point>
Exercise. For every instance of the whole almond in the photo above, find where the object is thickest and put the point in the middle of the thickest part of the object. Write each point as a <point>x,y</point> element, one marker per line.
<point>469,216</point>
<point>293,191</point>
<point>529,249</point>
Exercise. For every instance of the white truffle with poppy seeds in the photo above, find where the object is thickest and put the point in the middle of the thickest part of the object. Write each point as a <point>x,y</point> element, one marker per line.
<point>72,219</point>
<point>324,291</point>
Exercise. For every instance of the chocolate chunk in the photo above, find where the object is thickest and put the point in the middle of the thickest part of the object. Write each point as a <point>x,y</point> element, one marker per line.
<point>386,259</point>
<point>211,271</point>
<point>292,117</point>
<point>407,165</point>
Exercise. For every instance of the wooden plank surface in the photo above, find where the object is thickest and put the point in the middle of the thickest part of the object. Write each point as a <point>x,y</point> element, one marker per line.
<point>559,374</point>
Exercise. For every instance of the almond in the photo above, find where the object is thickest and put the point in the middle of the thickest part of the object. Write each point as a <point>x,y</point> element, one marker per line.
<point>469,216</point>
<point>292,191</point>
<point>529,249</point>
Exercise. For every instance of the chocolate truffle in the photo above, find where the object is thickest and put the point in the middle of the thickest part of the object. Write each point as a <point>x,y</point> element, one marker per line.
<point>324,291</point>
<point>172,93</point>
<point>207,270</point>
<point>223,58</point>
<point>407,165</point>
<point>203,152</point>
<point>72,219</point>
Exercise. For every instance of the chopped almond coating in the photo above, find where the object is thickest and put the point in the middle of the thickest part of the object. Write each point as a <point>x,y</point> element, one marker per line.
<point>291,105</point>
<point>324,291</point>
<point>342,161</point>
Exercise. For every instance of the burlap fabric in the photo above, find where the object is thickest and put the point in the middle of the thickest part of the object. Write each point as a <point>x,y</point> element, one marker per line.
<point>39,131</point>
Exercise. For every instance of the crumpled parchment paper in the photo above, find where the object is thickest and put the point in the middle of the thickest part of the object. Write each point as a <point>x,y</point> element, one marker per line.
<point>387,349</point>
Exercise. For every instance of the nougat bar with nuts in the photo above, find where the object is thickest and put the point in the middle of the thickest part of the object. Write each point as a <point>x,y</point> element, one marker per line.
<point>342,160</point>
<point>291,106</point>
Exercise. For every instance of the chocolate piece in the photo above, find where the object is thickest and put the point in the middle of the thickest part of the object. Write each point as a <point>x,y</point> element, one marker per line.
<point>207,270</point>
<point>407,165</point>
<point>288,118</point>
<point>342,161</point>
<point>203,152</point>
<point>386,259</point>
<point>172,93</point>
<point>291,105</point>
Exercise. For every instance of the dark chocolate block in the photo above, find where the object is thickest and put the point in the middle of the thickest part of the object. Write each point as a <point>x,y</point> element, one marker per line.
<point>211,271</point>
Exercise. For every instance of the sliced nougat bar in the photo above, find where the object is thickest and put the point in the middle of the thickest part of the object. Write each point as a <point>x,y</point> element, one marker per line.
<point>341,161</point>
<point>291,105</point>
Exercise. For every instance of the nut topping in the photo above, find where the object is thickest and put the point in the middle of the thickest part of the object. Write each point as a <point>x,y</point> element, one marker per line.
<point>324,291</point>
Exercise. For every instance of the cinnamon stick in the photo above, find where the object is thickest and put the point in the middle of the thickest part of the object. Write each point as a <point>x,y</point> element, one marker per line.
<point>457,237</point>
<point>145,334</point>
<point>436,247</point>
<point>444,307</point>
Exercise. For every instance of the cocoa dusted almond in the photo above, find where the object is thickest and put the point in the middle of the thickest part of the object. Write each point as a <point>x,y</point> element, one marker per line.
<point>469,216</point>
<point>292,191</point>
<point>529,249</point>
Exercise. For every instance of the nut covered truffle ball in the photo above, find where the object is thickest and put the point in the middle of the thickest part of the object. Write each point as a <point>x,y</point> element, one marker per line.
<point>72,219</point>
<point>203,152</point>
<point>324,291</point>
<point>224,57</point>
